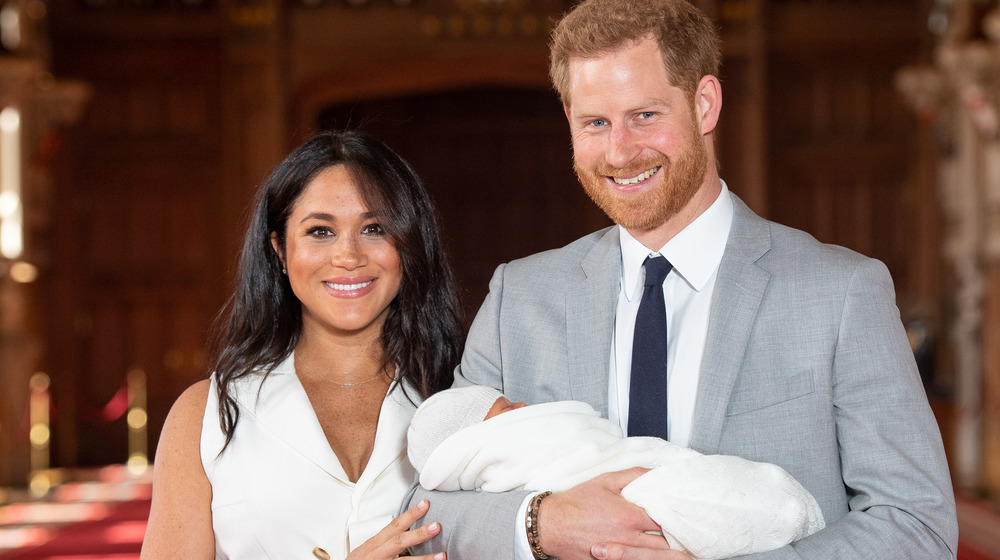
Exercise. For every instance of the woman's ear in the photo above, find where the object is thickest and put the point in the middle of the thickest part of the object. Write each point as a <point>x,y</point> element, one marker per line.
<point>279,249</point>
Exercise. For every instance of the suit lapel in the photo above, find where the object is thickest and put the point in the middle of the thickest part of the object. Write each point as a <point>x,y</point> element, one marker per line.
<point>739,290</point>
<point>590,320</point>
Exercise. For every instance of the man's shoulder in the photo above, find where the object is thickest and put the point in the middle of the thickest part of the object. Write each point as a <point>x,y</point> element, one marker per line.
<point>774,244</point>
<point>567,258</point>
<point>796,255</point>
<point>791,243</point>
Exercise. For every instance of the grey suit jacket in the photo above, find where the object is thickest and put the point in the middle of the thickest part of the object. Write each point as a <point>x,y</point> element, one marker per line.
<point>806,366</point>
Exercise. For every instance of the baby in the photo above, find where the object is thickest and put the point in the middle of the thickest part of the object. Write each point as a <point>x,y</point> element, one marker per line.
<point>708,506</point>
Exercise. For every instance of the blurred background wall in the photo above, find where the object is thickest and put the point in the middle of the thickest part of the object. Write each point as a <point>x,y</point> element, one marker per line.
<point>146,125</point>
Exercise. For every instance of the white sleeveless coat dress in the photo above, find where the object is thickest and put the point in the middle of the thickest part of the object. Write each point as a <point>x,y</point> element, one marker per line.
<point>279,490</point>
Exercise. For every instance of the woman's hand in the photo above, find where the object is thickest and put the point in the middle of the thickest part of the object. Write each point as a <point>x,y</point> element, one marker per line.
<point>397,537</point>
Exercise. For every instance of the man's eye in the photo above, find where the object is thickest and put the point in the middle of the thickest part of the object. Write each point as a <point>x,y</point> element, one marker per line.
<point>598,122</point>
<point>646,115</point>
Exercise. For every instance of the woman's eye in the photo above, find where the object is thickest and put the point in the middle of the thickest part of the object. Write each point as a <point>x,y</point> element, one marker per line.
<point>319,231</point>
<point>372,229</point>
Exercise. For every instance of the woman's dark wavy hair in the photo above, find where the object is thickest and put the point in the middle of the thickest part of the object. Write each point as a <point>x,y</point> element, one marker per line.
<point>262,321</point>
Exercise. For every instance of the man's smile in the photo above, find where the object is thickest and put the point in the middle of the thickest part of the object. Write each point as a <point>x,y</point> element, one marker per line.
<point>637,179</point>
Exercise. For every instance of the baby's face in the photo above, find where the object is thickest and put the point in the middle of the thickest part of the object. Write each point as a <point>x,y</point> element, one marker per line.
<point>502,405</point>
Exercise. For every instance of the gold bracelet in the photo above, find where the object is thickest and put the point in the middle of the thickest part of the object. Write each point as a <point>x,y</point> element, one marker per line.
<point>531,526</point>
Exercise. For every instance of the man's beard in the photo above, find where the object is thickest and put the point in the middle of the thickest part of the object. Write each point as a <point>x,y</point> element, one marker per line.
<point>681,179</point>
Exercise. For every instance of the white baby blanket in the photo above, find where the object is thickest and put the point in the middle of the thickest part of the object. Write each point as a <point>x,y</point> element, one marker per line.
<point>709,506</point>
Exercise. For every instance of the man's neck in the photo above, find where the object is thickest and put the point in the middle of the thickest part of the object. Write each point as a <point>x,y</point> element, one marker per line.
<point>656,238</point>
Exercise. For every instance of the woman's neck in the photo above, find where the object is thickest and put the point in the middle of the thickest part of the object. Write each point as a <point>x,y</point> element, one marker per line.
<point>340,359</point>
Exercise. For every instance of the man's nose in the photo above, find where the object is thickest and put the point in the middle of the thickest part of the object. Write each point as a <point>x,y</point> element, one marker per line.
<point>622,147</point>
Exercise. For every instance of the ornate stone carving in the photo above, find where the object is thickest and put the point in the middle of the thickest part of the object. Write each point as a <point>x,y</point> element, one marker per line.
<point>959,95</point>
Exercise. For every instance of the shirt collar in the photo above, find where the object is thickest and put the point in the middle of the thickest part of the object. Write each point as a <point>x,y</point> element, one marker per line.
<point>695,252</point>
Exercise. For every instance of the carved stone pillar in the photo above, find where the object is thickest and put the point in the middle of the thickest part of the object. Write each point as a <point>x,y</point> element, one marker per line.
<point>960,95</point>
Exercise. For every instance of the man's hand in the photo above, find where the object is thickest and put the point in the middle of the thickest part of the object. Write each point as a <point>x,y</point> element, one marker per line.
<point>592,520</point>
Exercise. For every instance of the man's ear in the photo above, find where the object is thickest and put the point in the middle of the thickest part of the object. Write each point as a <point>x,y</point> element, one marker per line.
<point>279,248</point>
<point>708,103</point>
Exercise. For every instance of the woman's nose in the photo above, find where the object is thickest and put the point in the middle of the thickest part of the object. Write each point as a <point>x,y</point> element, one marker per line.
<point>347,253</point>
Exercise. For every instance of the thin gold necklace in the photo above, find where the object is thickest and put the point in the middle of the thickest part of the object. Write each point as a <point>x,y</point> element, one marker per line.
<point>381,370</point>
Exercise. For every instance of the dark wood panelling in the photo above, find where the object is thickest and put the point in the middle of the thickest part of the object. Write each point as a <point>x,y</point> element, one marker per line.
<point>141,269</point>
<point>841,144</point>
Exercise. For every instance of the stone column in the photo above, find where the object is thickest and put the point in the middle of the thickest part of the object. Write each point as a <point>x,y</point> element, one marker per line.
<point>43,106</point>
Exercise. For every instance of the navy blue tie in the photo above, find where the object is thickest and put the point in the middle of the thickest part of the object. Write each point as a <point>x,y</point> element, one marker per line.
<point>647,407</point>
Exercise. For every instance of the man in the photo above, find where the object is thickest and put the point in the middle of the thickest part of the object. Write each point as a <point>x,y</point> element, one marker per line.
<point>779,349</point>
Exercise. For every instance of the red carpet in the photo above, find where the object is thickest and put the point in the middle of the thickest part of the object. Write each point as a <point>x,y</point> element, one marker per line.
<point>105,519</point>
<point>978,530</point>
<point>100,519</point>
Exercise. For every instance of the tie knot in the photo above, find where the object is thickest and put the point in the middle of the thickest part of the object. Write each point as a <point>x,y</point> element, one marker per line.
<point>657,269</point>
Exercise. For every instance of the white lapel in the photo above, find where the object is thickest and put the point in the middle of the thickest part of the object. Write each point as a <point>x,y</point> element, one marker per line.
<point>284,410</point>
<point>390,436</point>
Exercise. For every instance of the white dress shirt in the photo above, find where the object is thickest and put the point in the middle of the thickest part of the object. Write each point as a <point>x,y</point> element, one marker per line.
<point>695,253</point>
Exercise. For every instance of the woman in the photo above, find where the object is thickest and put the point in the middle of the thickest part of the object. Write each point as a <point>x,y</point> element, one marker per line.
<point>345,314</point>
